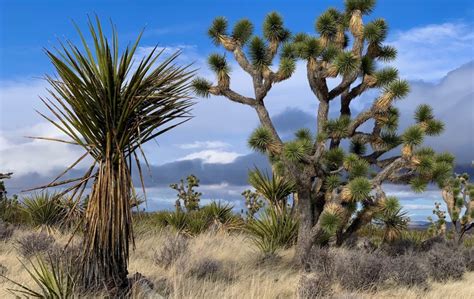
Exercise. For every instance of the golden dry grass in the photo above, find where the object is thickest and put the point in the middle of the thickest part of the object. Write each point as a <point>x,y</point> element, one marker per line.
<point>246,276</point>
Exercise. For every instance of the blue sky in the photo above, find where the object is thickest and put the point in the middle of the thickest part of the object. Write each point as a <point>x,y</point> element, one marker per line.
<point>435,40</point>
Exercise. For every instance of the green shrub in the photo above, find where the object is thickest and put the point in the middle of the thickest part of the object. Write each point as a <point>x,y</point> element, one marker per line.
<point>52,280</point>
<point>273,230</point>
<point>44,209</point>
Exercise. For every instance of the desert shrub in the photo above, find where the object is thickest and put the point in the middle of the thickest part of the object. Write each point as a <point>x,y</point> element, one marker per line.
<point>51,278</point>
<point>220,216</point>
<point>206,268</point>
<point>407,270</point>
<point>428,244</point>
<point>314,286</point>
<point>34,244</point>
<point>177,220</point>
<point>469,258</point>
<point>173,248</point>
<point>6,231</point>
<point>3,270</point>
<point>445,262</point>
<point>399,247</point>
<point>273,230</point>
<point>44,208</point>
<point>10,210</point>
<point>358,270</point>
<point>320,260</point>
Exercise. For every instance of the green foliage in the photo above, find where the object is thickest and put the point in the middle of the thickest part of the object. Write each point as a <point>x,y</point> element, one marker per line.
<point>365,6</point>
<point>386,76</point>
<point>346,63</point>
<point>287,67</point>
<point>334,158</point>
<point>273,29</point>
<point>308,48</point>
<point>368,65</point>
<point>296,150</point>
<point>326,24</point>
<point>413,136</point>
<point>392,219</point>
<point>418,184</point>
<point>288,50</point>
<point>359,168</point>
<point>337,128</point>
<point>398,88</point>
<point>391,122</point>
<point>375,31</point>
<point>329,53</point>
<point>387,53</point>
<point>360,188</point>
<point>242,31</point>
<point>273,230</point>
<point>253,203</point>
<point>330,222</point>
<point>390,139</point>
<point>260,139</point>
<point>423,113</point>
<point>332,182</point>
<point>201,87</point>
<point>186,193</point>
<point>434,127</point>
<point>218,28</point>
<point>259,54</point>
<point>274,189</point>
<point>44,209</point>
<point>358,148</point>
<point>304,134</point>
<point>52,279</point>
<point>218,64</point>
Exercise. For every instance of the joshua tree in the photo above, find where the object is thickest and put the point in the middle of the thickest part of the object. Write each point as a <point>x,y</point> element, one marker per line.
<point>187,194</point>
<point>330,182</point>
<point>458,194</point>
<point>111,106</point>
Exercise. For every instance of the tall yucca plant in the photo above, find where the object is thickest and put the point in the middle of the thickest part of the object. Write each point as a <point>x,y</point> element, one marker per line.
<point>111,106</point>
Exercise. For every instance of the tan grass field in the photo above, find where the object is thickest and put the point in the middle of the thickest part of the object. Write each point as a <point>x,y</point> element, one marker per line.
<point>243,274</point>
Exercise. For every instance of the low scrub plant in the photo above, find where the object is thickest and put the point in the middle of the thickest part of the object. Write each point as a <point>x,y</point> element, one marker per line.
<point>206,268</point>
<point>314,286</point>
<point>445,263</point>
<point>173,248</point>
<point>6,231</point>
<point>34,244</point>
<point>273,230</point>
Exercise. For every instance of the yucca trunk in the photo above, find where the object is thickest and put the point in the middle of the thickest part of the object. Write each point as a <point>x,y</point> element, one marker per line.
<point>108,230</point>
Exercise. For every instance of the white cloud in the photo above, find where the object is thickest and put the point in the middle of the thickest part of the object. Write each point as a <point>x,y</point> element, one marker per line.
<point>212,156</point>
<point>429,52</point>
<point>204,144</point>
<point>23,155</point>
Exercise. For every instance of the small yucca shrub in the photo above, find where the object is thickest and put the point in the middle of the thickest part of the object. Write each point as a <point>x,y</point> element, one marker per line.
<point>273,230</point>
<point>52,280</point>
<point>44,209</point>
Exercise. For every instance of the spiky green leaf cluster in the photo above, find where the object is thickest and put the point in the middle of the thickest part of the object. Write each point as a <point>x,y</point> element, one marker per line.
<point>217,29</point>
<point>368,65</point>
<point>295,150</point>
<point>360,188</point>
<point>390,124</point>
<point>288,50</point>
<point>423,113</point>
<point>304,134</point>
<point>418,184</point>
<point>259,54</point>
<point>413,136</point>
<point>390,139</point>
<point>287,67</point>
<point>445,157</point>
<point>218,63</point>
<point>387,53</point>
<point>332,182</point>
<point>358,168</point>
<point>398,88</point>
<point>327,23</point>
<point>376,31</point>
<point>334,158</point>
<point>201,87</point>
<point>330,222</point>
<point>357,147</point>
<point>338,128</point>
<point>260,139</point>
<point>308,48</point>
<point>346,63</point>
<point>386,76</point>
<point>273,29</point>
<point>329,53</point>
<point>365,6</point>
<point>242,31</point>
